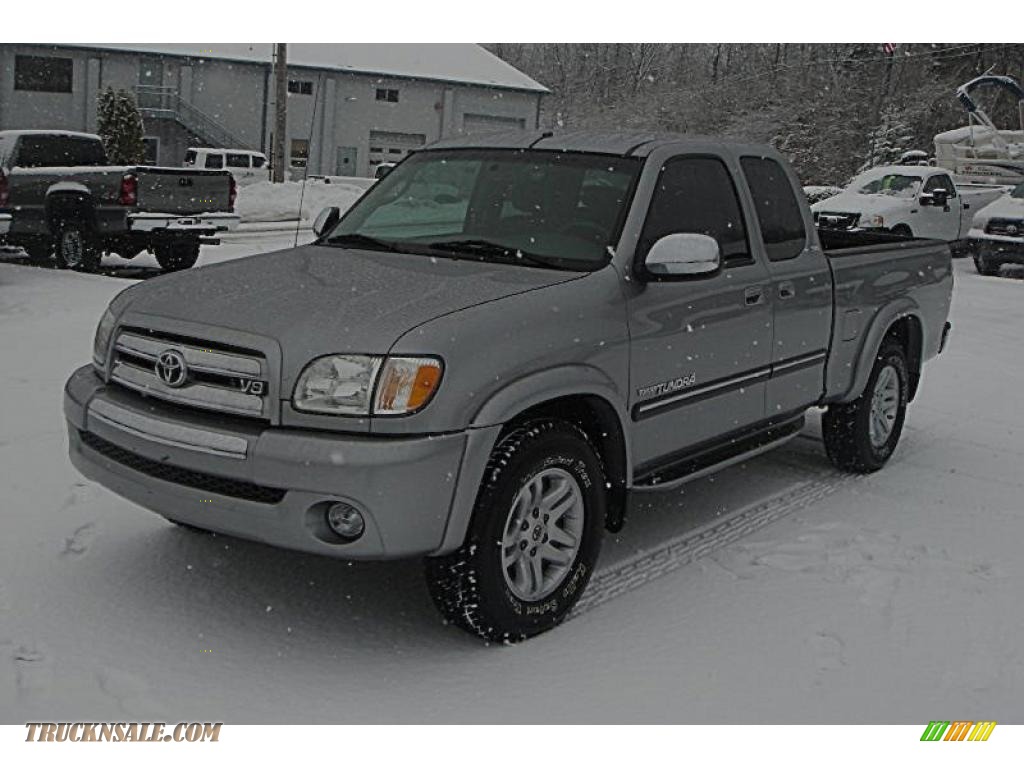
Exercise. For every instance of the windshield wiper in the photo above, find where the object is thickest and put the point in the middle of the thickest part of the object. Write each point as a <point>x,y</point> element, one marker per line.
<point>362,241</point>
<point>487,249</point>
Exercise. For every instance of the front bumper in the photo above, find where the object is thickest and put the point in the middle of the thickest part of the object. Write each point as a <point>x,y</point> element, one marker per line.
<point>5,223</point>
<point>1002,248</point>
<point>176,223</point>
<point>266,483</point>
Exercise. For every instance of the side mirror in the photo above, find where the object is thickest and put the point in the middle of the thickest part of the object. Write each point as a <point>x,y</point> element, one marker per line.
<point>937,197</point>
<point>326,220</point>
<point>683,255</point>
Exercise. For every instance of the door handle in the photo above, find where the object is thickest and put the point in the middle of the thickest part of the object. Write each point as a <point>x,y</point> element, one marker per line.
<point>787,290</point>
<point>753,295</point>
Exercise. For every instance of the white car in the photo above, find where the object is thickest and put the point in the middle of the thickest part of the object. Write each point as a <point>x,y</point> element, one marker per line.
<point>997,233</point>
<point>910,200</point>
<point>246,165</point>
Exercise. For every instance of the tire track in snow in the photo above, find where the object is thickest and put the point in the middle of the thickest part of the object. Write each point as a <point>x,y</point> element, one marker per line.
<point>617,580</point>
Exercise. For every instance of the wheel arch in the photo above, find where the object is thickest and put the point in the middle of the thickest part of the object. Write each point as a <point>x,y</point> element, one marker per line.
<point>901,321</point>
<point>580,394</point>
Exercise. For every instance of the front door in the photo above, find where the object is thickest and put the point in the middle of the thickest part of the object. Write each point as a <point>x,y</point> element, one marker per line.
<point>940,222</point>
<point>701,347</point>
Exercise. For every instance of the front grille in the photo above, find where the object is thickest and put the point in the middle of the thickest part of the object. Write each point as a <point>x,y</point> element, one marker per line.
<point>831,220</point>
<point>1008,227</point>
<point>222,486</point>
<point>221,379</point>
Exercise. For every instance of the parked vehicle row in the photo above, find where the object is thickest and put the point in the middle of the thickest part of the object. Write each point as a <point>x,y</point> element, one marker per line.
<point>907,200</point>
<point>60,199</point>
<point>997,233</point>
<point>503,339</point>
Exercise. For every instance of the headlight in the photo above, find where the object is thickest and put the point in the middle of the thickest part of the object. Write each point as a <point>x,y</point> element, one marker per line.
<point>338,384</point>
<point>876,221</point>
<point>101,341</point>
<point>347,385</point>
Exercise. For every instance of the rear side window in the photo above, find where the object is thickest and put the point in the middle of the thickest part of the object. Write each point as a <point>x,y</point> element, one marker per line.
<point>238,161</point>
<point>778,212</point>
<point>215,161</point>
<point>696,195</point>
<point>258,161</point>
<point>46,151</point>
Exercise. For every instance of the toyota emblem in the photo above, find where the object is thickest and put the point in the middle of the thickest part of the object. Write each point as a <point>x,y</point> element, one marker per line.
<point>1012,229</point>
<point>171,368</point>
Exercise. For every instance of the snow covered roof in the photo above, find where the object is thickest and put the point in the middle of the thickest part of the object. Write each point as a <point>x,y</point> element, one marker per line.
<point>451,62</point>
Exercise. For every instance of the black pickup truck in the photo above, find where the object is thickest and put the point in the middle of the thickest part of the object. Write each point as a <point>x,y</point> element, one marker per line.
<point>59,198</point>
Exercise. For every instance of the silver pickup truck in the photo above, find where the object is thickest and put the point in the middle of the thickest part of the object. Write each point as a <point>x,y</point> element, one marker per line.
<point>60,198</point>
<point>494,346</point>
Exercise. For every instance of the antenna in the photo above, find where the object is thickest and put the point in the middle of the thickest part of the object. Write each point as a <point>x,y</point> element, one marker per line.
<point>309,152</point>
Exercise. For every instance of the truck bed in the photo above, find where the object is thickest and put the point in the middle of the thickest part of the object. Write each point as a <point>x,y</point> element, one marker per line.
<point>879,269</point>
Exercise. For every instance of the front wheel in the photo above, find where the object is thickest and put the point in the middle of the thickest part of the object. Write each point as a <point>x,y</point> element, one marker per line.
<point>862,435</point>
<point>534,537</point>
<point>984,266</point>
<point>176,255</point>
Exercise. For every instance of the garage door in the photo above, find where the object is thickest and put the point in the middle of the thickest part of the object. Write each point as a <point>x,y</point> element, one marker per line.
<point>472,123</point>
<point>390,147</point>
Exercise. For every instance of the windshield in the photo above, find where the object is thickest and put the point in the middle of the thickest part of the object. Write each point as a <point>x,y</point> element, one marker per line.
<point>537,208</point>
<point>892,184</point>
<point>1018,191</point>
<point>59,151</point>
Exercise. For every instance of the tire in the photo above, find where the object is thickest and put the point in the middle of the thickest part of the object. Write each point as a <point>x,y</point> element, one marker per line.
<point>486,587</point>
<point>75,248</point>
<point>984,266</point>
<point>39,253</point>
<point>850,441</point>
<point>176,255</point>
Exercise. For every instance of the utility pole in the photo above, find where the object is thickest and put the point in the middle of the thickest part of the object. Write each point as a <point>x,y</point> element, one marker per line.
<point>280,110</point>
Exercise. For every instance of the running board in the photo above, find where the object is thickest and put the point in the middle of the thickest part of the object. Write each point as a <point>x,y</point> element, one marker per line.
<point>707,461</point>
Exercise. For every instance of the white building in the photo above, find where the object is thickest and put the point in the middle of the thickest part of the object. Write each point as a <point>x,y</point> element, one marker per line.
<point>350,106</point>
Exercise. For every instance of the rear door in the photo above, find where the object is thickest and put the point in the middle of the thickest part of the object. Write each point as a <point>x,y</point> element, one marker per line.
<point>800,289</point>
<point>700,347</point>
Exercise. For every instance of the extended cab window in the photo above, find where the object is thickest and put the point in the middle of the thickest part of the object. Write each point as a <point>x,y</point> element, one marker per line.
<point>778,212</point>
<point>696,195</point>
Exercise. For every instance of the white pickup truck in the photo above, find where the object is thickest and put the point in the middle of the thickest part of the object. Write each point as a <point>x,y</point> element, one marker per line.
<point>908,200</point>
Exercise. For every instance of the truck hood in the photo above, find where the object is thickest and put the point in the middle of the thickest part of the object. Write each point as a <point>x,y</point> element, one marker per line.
<point>865,205</point>
<point>318,300</point>
<point>1005,207</point>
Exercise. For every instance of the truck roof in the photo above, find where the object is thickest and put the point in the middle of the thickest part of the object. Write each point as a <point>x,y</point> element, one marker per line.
<point>44,132</point>
<point>624,143</point>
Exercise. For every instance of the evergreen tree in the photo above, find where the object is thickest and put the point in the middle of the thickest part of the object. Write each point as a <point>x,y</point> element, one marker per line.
<point>119,124</point>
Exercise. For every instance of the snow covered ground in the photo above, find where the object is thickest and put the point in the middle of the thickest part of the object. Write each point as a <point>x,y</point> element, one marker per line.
<point>264,201</point>
<point>778,591</point>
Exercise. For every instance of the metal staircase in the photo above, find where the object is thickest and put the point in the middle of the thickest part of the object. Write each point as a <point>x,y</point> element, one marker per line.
<point>158,102</point>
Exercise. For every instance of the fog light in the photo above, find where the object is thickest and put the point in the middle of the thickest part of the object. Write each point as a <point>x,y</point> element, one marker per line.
<point>345,520</point>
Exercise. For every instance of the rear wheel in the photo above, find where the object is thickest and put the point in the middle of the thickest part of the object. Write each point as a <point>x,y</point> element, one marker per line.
<point>534,537</point>
<point>175,255</point>
<point>76,248</point>
<point>862,435</point>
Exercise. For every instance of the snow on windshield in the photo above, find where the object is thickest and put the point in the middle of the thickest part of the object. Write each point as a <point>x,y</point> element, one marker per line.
<point>892,184</point>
